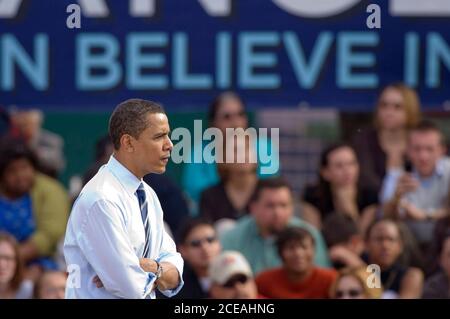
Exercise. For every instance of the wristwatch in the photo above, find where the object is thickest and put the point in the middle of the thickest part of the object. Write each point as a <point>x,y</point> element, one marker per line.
<point>159,270</point>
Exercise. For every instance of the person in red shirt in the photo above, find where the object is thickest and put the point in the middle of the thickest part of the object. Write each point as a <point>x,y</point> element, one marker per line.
<point>297,277</point>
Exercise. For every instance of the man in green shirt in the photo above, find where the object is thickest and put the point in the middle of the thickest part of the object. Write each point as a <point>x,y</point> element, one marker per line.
<point>271,210</point>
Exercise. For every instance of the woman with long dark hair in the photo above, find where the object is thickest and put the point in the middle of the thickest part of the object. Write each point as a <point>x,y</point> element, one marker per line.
<point>339,189</point>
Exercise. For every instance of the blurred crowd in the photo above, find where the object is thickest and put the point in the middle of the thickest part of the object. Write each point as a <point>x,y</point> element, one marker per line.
<point>376,224</point>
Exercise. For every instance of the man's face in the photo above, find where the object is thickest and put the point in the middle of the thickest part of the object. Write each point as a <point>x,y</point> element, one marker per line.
<point>445,257</point>
<point>238,286</point>
<point>424,150</point>
<point>273,209</point>
<point>384,244</point>
<point>18,177</point>
<point>151,150</point>
<point>53,286</point>
<point>298,256</point>
<point>201,247</point>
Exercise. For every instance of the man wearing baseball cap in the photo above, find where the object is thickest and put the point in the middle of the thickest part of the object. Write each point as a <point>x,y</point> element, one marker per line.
<point>232,278</point>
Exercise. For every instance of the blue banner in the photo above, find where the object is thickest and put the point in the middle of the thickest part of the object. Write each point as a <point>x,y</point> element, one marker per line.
<point>183,52</point>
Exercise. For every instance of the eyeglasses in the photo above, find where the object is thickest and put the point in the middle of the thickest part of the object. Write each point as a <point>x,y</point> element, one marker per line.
<point>352,293</point>
<point>198,242</point>
<point>242,279</point>
<point>227,116</point>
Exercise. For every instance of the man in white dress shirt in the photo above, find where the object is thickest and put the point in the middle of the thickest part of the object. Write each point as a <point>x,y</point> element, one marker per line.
<point>115,244</point>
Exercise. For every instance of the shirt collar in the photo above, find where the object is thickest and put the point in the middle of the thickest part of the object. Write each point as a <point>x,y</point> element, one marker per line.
<point>128,180</point>
<point>439,170</point>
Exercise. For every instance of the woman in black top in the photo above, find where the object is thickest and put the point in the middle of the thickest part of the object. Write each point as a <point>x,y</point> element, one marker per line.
<point>382,147</point>
<point>229,198</point>
<point>339,190</point>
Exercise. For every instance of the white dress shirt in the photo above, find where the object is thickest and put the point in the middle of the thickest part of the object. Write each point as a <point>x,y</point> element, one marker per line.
<point>105,237</point>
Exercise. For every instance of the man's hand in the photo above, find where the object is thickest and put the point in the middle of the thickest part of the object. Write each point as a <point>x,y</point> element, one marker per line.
<point>339,253</point>
<point>406,184</point>
<point>96,280</point>
<point>148,265</point>
<point>412,212</point>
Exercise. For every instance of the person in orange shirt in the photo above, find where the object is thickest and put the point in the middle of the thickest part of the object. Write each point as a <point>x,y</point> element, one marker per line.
<point>298,277</point>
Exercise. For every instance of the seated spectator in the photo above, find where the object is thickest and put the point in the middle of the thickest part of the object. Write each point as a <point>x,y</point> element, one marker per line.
<point>227,110</point>
<point>33,207</point>
<point>384,245</point>
<point>103,151</point>
<point>232,278</point>
<point>298,277</point>
<point>420,197</point>
<point>439,234</point>
<point>438,285</point>
<point>344,241</point>
<point>352,283</point>
<point>48,146</point>
<point>172,199</point>
<point>12,282</point>
<point>339,190</point>
<point>51,285</point>
<point>229,199</point>
<point>271,209</point>
<point>198,245</point>
<point>382,148</point>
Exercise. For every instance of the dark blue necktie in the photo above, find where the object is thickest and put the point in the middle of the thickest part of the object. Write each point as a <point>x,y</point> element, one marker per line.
<point>143,205</point>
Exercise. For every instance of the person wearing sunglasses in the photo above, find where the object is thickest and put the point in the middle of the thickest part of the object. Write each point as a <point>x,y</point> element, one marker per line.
<point>351,283</point>
<point>298,277</point>
<point>198,245</point>
<point>232,277</point>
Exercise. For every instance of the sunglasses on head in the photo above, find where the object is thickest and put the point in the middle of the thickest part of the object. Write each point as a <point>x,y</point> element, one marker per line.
<point>352,293</point>
<point>242,279</point>
<point>227,116</point>
<point>198,242</point>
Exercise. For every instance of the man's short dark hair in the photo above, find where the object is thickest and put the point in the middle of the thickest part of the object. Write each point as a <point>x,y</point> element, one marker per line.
<point>270,183</point>
<point>428,126</point>
<point>188,226</point>
<point>338,229</point>
<point>292,234</point>
<point>12,150</point>
<point>129,117</point>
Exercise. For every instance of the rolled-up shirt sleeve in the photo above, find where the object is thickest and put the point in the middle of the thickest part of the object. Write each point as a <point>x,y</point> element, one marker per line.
<point>169,254</point>
<point>104,242</point>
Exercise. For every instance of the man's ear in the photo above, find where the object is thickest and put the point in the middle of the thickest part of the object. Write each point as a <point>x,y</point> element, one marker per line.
<point>126,142</point>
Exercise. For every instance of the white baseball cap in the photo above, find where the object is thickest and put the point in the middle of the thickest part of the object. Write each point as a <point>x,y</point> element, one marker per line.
<point>228,264</point>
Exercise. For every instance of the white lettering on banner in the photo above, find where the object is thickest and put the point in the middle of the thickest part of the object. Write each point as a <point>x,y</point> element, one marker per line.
<point>142,8</point>
<point>218,8</point>
<point>94,8</point>
<point>315,8</point>
<point>420,8</point>
<point>9,8</point>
